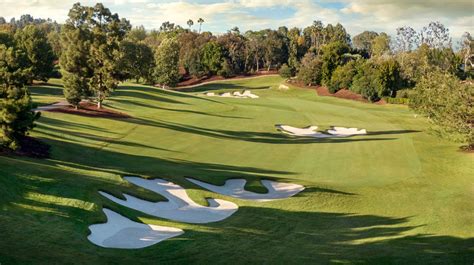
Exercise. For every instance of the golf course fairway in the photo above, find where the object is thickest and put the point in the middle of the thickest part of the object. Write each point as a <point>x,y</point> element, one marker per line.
<point>397,195</point>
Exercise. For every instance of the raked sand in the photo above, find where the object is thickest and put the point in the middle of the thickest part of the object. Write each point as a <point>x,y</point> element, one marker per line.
<point>121,232</point>
<point>235,94</point>
<point>310,131</point>
<point>235,188</point>
<point>179,206</point>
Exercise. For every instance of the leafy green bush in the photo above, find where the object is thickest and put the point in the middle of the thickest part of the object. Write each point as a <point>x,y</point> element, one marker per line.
<point>404,93</point>
<point>403,101</point>
<point>310,70</point>
<point>226,70</point>
<point>366,81</point>
<point>285,71</point>
<point>448,103</point>
<point>342,76</point>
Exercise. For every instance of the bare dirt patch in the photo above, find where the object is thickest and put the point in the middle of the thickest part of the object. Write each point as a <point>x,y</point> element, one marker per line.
<point>343,93</point>
<point>89,109</point>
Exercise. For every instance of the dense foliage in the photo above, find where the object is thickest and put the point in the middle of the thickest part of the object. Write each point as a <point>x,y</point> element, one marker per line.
<point>16,115</point>
<point>99,32</point>
<point>448,103</point>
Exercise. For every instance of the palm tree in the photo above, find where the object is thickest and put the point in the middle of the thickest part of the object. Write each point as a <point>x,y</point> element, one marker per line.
<point>200,21</point>
<point>190,23</point>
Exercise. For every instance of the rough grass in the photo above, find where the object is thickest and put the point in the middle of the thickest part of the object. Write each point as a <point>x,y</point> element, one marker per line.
<point>396,196</point>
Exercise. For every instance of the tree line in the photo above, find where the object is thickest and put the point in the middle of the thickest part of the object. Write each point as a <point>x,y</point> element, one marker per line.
<point>95,49</point>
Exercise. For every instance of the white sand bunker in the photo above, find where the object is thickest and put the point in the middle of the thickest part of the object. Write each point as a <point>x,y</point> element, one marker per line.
<point>120,232</point>
<point>235,188</point>
<point>179,206</point>
<point>346,131</point>
<point>310,131</point>
<point>235,94</point>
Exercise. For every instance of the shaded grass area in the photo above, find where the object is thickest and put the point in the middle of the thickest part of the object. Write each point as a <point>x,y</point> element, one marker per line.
<point>395,196</point>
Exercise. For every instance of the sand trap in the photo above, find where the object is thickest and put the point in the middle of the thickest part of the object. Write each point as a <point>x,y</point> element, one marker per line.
<point>283,87</point>
<point>346,131</point>
<point>310,131</point>
<point>179,206</point>
<point>120,232</point>
<point>235,188</point>
<point>235,94</point>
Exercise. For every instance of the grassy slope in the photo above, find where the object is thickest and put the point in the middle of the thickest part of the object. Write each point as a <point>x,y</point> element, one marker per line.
<point>398,195</point>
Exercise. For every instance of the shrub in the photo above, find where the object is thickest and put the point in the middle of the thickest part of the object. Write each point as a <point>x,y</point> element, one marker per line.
<point>332,57</point>
<point>447,103</point>
<point>366,81</point>
<point>285,71</point>
<point>342,77</point>
<point>404,93</point>
<point>403,101</point>
<point>310,70</point>
<point>226,70</point>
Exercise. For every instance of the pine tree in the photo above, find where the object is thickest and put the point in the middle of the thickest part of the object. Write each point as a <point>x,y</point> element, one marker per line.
<point>75,67</point>
<point>33,41</point>
<point>16,115</point>
<point>96,32</point>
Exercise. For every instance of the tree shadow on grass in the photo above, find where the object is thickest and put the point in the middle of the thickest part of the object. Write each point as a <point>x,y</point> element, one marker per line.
<point>140,104</point>
<point>258,137</point>
<point>262,235</point>
<point>140,94</point>
<point>252,235</point>
<point>46,90</point>
<point>391,132</point>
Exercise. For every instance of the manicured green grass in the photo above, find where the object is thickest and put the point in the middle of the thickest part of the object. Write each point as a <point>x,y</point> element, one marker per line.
<point>396,196</point>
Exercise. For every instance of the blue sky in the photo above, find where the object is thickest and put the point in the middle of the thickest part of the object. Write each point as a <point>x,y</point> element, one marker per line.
<point>219,16</point>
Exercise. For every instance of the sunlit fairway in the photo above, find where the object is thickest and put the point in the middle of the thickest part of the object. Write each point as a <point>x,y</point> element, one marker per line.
<point>397,195</point>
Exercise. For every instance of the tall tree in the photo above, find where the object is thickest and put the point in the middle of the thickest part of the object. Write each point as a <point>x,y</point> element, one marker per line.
<point>234,45</point>
<point>467,52</point>
<point>364,41</point>
<point>75,68</point>
<point>407,39</point>
<point>33,40</point>
<point>436,35</point>
<point>332,57</point>
<point>211,57</point>
<point>200,21</point>
<point>380,45</point>
<point>190,23</point>
<point>136,61</point>
<point>16,114</point>
<point>103,31</point>
<point>167,63</point>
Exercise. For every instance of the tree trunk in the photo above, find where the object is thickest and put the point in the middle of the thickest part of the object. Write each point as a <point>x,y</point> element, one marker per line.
<point>99,100</point>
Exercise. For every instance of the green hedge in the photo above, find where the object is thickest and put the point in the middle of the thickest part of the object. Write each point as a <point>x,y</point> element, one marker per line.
<point>396,100</point>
